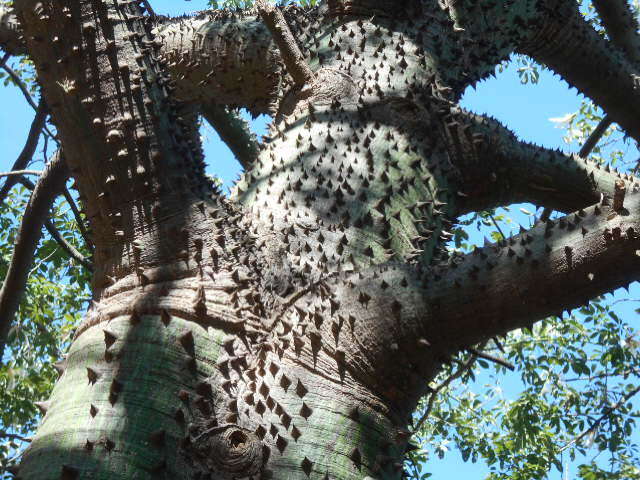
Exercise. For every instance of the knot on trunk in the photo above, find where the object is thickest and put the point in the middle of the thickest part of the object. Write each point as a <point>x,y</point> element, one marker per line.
<point>331,87</point>
<point>230,451</point>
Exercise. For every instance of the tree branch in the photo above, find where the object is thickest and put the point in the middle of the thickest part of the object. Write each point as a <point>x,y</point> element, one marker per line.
<point>71,251</point>
<point>499,169</point>
<point>208,53</point>
<point>562,39</point>
<point>78,217</point>
<point>462,369</point>
<point>29,148</point>
<point>19,173</point>
<point>20,84</point>
<point>621,26</point>
<point>13,436</point>
<point>492,358</point>
<point>594,251</point>
<point>289,49</point>
<point>46,190</point>
<point>608,411</point>
<point>595,136</point>
<point>234,132</point>
<point>585,151</point>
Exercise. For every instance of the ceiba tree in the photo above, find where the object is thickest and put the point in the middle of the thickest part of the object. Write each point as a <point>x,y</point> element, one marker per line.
<point>289,331</point>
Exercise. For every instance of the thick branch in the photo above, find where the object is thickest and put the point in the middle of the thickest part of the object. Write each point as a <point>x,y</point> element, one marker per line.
<point>563,40</point>
<point>499,169</point>
<point>510,285</point>
<point>46,190</point>
<point>234,132</point>
<point>222,58</point>
<point>621,25</point>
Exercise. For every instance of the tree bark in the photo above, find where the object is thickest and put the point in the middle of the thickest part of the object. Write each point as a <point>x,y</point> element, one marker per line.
<point>289,331</point>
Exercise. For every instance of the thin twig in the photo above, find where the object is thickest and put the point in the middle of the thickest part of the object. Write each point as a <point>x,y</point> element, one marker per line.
<point>78,217</point>
<point>28,150</point>
<point>20,84</point>
<point>25,92</point>
<point>491,358</point>
<point>13,436</point>
<point>498,344</point>
<point>20,173</point>
<point>495,224</point>
<point>590,378</point>
<point>602,418</point>
<point>465,367</point>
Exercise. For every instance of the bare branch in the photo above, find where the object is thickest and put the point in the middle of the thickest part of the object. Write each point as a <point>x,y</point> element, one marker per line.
<point>13,436</point>
<point>78,217</point>
<point>57,237</point>
<point>595,136</point>
<point>48,187</point>
<point>21,85</point>
<point>234,132</point>
<point>621,25</point>
<point>29,148</point>
<point>19,173</point>
<point>492,358</point>
<point>291,53</point>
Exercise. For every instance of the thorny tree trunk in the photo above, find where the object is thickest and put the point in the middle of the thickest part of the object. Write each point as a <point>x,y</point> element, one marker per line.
<point>288,332</point>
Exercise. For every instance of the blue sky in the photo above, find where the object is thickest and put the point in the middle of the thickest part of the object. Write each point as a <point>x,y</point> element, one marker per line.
<point>526,109</point>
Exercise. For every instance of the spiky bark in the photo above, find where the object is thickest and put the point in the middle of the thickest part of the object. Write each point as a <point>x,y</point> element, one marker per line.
<point>288,332</point>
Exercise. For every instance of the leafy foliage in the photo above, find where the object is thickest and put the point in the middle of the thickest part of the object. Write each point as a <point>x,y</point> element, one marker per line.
<point>53,304</point>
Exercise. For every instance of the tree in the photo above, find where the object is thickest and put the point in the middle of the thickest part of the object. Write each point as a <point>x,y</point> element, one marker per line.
<point>289,331</point>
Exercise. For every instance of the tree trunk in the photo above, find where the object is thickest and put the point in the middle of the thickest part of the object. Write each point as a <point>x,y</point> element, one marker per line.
<point>289,332</point>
